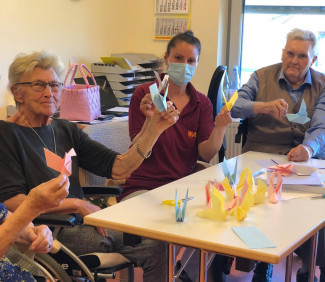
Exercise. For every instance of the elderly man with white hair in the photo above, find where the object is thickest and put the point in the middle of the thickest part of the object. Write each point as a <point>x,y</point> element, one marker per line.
<point>267,97</point>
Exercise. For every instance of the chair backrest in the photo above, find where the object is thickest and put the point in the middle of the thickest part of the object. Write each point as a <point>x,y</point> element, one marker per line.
<point>215,89</point>
<point>114,135</point>
<point>215,96</point>
<point>242,131</point>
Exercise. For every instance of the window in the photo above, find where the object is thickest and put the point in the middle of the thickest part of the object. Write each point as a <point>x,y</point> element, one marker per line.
<point>264,26</point>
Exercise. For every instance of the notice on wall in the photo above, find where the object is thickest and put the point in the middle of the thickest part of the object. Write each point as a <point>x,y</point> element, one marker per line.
<point>166,28</point>
<point>172,6</point>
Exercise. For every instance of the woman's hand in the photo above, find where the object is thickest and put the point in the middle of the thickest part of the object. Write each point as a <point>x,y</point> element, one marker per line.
<point>146,106</point>
<point>38,238</point>
<point>162,120</point>
<point>222,119</point>
<point>49,194</point>
<point>43,240</point>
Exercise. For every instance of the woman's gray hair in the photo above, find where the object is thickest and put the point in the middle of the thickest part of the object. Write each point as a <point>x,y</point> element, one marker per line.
<point>305,35</point>
<point>28,62</point>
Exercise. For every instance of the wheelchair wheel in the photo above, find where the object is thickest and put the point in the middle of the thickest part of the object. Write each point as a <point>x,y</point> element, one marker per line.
<point>51,268</point>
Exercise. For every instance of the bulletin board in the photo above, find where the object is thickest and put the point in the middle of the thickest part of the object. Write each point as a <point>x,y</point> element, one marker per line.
<point>172,17</point>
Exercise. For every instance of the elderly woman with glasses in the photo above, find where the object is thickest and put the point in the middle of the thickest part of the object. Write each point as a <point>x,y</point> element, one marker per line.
<point>17,226</point>
<point>35,85</point>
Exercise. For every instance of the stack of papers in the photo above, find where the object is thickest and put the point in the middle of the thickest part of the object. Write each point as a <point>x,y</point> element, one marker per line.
<point>303,178</point>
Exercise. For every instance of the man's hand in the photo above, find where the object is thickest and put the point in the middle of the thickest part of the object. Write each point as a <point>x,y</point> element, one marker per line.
<point>49,194</point>
<point>277,108</point>
<point>146,106</point>
<point>86,208</point>
<point>222,119</point>
<point>300,153</point>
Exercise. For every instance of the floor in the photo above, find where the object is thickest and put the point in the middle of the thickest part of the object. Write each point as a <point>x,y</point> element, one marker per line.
<point>238,276</point>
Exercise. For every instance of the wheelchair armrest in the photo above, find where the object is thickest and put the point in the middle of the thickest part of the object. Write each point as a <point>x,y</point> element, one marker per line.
<point>52,219</point>
<point>112,191</point>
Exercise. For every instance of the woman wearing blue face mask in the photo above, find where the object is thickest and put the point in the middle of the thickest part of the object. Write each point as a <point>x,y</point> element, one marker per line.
<point>176,151</point>
<point>195,133</point>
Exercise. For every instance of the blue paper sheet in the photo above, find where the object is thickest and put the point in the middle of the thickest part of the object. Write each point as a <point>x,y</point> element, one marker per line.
<point>253,237</point>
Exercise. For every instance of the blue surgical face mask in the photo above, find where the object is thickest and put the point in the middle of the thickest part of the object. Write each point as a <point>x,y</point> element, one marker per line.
<point>180,73</point>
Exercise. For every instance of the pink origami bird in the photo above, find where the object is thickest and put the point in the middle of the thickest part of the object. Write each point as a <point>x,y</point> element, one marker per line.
<point>283,169</point>
<point>62,165</point>
<point>274,194</point>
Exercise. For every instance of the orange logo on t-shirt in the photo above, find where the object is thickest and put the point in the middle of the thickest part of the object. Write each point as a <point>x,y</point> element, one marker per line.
<point>191,134</point>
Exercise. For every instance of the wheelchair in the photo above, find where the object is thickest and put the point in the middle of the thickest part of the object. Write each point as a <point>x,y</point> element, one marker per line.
<point>88,267</point>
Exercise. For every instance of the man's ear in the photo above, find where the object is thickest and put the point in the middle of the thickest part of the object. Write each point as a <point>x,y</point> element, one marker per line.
<point>313,60</point>
<point>17,93</point>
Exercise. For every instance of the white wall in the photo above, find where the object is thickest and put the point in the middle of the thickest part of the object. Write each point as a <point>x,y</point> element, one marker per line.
<point>88,29</point>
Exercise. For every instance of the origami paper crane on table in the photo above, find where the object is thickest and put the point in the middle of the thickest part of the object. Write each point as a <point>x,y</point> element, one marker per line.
<point>282,169</point>
<point>158,100</point>
<point>228,105</point>
<point>180,207</point>
<point>259,195</point>
<point>301,117</point>
<point>290,168</point>
<point>244,202</point>
<point>219,208</point>
<point>226,172</point>
<point>274,194</point>
<point>62,165</point>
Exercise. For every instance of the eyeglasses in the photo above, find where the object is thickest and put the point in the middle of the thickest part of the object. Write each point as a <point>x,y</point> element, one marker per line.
<point>39,86</point>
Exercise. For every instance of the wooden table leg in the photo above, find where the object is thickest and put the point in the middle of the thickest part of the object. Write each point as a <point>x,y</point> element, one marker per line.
<point>171,262</point>
<point>288,268</point>
<point>203,265</point>
<point>313,253</point>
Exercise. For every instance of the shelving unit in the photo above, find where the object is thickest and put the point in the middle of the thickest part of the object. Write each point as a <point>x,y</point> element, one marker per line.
<point>122,81</point>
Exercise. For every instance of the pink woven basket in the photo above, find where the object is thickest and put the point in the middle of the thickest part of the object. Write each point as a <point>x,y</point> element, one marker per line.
<point>80,102</point>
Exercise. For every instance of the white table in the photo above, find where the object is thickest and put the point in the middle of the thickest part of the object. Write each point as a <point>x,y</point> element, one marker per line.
<point>287,224</point>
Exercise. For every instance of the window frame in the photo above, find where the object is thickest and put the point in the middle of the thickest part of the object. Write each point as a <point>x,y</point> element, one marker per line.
<point>236,25</point>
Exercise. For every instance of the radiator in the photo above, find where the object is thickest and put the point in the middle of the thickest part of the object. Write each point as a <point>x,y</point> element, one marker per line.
<point>233,149</point>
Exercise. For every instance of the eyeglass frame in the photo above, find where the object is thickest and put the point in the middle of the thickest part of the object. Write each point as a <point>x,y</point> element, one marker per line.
<point>60,84</point>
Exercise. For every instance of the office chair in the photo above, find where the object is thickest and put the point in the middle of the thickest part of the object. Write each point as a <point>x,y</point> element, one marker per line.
<point>215,96</point>
<point>242,131</point>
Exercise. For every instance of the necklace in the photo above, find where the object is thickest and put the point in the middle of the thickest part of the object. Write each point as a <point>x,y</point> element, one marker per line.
<point>39,137</point>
